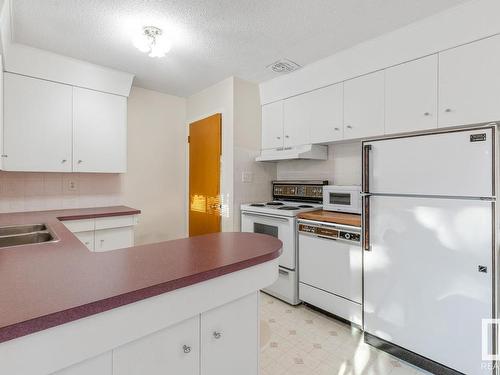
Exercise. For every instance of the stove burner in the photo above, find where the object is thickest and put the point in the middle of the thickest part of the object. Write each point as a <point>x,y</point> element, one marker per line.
<point>257,205</point>
<point>274,204</point>
<point>288,208</point>
<point>305,206</point>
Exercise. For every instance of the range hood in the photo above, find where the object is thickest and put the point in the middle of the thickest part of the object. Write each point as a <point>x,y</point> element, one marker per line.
<point>311,152</point>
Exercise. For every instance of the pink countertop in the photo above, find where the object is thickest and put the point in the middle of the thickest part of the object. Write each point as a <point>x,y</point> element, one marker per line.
<point>48,284</point>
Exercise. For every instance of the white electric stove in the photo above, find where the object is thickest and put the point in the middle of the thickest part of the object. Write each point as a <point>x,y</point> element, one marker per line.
<point>278,218</point>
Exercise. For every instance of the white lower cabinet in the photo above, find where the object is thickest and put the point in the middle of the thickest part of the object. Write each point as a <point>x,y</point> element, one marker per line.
<point>173,350</point>
<point>230,338</point>
<point>87,238</point>
<point>114,238</point>
<point>100,365</point>
<point>222,341</point>
<point>105,233</point>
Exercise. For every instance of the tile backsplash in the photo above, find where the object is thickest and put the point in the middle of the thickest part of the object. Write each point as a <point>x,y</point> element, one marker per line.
<point>26,191</point>
<point>343,166</point>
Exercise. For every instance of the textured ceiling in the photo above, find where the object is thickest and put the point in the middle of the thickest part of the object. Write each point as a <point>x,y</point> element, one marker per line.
<point>213,39</point>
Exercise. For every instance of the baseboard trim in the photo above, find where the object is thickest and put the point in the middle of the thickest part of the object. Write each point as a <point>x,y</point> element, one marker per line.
<point>409,356</point>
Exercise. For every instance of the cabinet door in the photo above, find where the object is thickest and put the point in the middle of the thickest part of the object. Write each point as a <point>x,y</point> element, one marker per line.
<point>100,365</point>
<point>295,120</point>
<point>314,117</point>
<point>37,125</point>
<point>272,125</point>
<point>229,338</point>
<point>411,96</point>
<point>174,350</point>
<point>114,238</point>
<point>87,238</point>
<point>100,131</point>
<point>469,83</point>
<point>364,106</point>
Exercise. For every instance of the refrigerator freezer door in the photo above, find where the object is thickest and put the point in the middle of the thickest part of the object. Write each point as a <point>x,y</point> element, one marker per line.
<point>456,163</point>
<point>423,289</point>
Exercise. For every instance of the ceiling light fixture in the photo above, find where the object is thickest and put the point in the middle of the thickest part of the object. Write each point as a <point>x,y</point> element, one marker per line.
<point>152,41</point>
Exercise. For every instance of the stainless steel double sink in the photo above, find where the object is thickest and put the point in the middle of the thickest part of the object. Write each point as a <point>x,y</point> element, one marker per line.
<point>15,235</point>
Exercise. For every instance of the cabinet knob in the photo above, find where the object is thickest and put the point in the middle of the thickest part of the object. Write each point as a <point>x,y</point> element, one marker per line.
<point>217,335</point>
<point>349,127</point>
<point>448,110</point>
<point>427,114</point>
<point>186,349</point>
<point>287,136</point>
<point>278,137</point>
<point>336,129</point>
<point>5,156</point>
<point>80,161</point>
<point>64,161</point>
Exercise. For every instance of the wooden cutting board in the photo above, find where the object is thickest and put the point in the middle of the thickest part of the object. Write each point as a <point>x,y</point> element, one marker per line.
<point>332,217</point>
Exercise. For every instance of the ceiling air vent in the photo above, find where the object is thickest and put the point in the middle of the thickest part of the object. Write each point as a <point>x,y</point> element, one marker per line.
<point>283,66</point>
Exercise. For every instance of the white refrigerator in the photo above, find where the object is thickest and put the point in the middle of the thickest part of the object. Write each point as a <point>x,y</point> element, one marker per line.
<point>430,247</point>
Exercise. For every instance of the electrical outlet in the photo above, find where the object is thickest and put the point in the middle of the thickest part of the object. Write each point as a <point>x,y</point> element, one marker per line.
<point>72,185</point>
<point>246,177</point>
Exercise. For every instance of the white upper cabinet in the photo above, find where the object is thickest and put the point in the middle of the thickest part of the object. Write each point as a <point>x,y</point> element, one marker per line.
<point>272,125</point>
<point>315,117</point>
<point>411,96</point>
<point>37,125</point>
<point>469,83</point>
<point>99,131</point>
<point>296,120</point>
<point>364,106</point>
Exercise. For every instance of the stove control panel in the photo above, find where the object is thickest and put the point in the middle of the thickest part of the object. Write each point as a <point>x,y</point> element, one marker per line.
<point>301,191</point>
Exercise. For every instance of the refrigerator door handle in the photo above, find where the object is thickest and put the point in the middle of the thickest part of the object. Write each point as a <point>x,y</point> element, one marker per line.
<point>366,197</point>
<point>366,168</point>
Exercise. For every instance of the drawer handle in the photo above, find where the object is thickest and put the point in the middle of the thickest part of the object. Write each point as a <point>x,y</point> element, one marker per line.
<point>186,349</point>
<point>217,335</point>
<point>283,272</point>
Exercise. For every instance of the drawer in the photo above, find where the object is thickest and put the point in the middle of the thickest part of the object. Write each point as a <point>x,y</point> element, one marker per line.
<point>80,225</point>
<point>115,222</point>
<point>335,305</point>
<point>285,287</point>
<point>87,238</point>
<point>114,238</point>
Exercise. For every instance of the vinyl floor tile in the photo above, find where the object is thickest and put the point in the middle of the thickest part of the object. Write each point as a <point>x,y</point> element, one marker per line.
<point>297,340</point>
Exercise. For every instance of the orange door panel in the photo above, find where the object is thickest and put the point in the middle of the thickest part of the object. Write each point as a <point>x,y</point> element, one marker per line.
<point>204,175</point>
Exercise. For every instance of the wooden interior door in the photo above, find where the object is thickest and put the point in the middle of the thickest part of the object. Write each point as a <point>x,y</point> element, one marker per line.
<point>204,175</point>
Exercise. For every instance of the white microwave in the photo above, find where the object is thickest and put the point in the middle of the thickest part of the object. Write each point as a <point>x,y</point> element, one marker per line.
<point>342,198</point>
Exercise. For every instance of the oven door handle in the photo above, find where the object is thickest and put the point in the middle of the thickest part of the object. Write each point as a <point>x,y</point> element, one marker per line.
<point>266,216</point>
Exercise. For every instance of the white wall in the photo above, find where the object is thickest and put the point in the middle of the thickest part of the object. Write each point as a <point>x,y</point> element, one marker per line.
<point>239,103</point>
<point>462,24</point>
<point>247,141</point>
<point>343,166</point>
<point>218,99</point>
<point>155,181</point>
